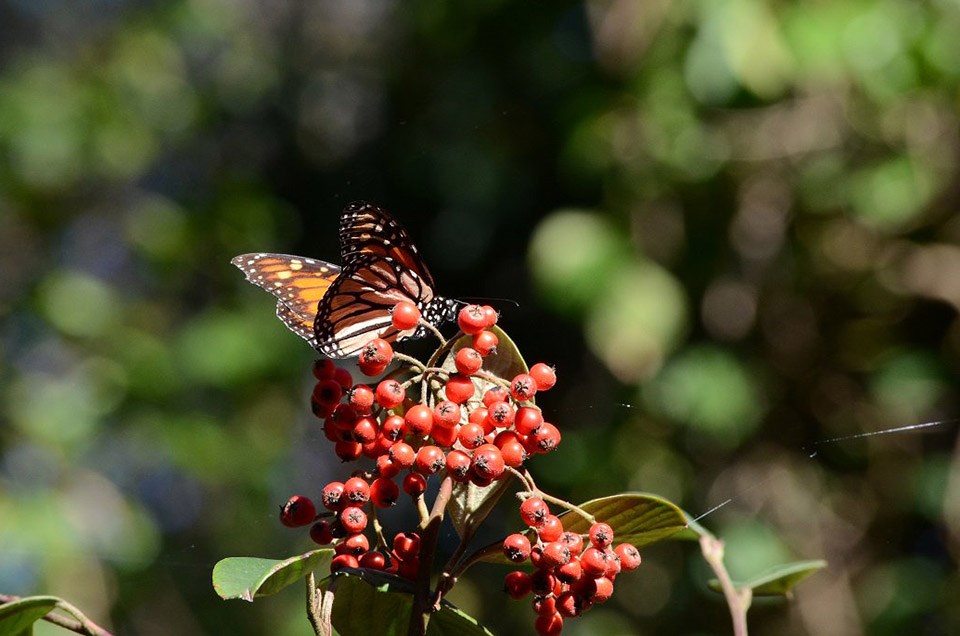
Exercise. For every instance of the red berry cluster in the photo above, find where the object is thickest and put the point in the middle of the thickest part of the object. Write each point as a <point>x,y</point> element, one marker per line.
<point>569,577</point>
<point>472,438</point>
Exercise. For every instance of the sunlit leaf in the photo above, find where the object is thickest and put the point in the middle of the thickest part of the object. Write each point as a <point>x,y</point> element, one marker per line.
<point>249,577</point>
<point>19,616</point>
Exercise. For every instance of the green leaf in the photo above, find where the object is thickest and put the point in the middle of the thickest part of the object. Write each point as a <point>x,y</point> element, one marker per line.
<point>368,602</point>
<point>249,577</point>
<point>778,580</point>
<point>18,617</point>
<point>636,518</point>
<point>469,504</point>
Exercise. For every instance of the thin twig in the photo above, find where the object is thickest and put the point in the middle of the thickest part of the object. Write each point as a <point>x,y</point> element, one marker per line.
<point>79,624</point>
<point>738,600</point>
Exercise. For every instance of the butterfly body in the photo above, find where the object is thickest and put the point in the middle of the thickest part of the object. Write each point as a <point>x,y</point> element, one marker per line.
<point>338,309</point>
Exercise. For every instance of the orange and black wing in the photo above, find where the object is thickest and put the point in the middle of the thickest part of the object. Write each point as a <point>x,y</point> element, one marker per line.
<point>299,284</point>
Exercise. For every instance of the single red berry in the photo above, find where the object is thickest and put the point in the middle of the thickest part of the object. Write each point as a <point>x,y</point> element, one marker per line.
<point>374,560</point>
<point>370,369</point>
<point>430,459</point>
<point>414,484</point>
<point>551,529</point>
<point>471,319</point>
<point>527,419</point>
<point>485,343</point>
<point>534,511</point>
<point>487,462</point>
<point>409,569</point>
<point>402,454</point>
<point>514,454</point>
<point>364,429</point>
<point>555,554</point>
<point>573,541</point>
<point>569,604</point>
<point>602,589</point>
<point>327,392</point>
<point>343,376</point>
<point>361,398</point>
<point>419,419</point>
<point>322,532</point>
<point>384,492</point>
<point>445,437</point>
<point>495,393</point>
<point>490,315</point>
<point>478,415</point>
<point>516,547</point>
<point>471,435</point>
<point>333,495</point>
<point>357,491</point>
<point>342,561</point>
<point>390,393</point>
<point>613,564</point>
<point>543,584</point>
<point>405,316</point>
<point>468,361</point>
<point>386,467</point>
<point>629,556</point>
<point>446,413</point>
<point>458,465</point>
<point>594,562</point>
<point>322,411</point>
<point>571,570</point>
<point>353,519</point>
<point>501,414</point>
<point>459,388</point>
<point>355,544</point>
<point>517,584</point>
<point>544,375</point>
<point>406,545</point>
<point>393,428</point>
<point>601,535</point>
<point>545,438</point>
<point>324,369</point>
<point>523,387</point>
<point>298,511</point>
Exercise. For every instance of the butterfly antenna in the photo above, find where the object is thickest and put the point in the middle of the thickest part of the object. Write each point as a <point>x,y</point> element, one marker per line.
<point>479,299</point>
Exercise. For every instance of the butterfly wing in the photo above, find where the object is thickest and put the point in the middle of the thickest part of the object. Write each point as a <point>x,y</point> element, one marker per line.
<point>299,284</point>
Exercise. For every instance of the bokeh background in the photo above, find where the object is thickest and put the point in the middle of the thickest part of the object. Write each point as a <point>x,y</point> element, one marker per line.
<point>731,225</point>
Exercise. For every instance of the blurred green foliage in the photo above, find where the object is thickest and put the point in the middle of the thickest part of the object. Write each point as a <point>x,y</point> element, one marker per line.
<point>731,225</point>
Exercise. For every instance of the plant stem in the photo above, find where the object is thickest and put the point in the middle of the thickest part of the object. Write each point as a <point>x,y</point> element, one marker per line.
<point>738,600</point>
<point>423,605</point>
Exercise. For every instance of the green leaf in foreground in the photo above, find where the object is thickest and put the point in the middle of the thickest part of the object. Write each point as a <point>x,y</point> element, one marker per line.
<point>778,580</point>
<point>636,518</point>
<point>374,603</point>
<point>19,616</point>
<point>249,577</point>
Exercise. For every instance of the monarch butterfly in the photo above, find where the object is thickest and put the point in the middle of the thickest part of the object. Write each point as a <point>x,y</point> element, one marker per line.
<point>338,309</point>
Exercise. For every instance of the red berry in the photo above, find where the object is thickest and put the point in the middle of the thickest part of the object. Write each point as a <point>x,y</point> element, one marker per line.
<point>324,369</point>
<point>459,388</point>
<point>629,556</point>
<point>485,343</point>
<point>573,541</point>
<point>487,462</point>
<point>569,604</point>
<point>545,438</point>
<point>601,588</point>
<point>402,454</point>
<point>495,394</point>
<point>406,545</point>
<point>527,419</point>
<point>471,435</point>
<point>430,459</point>
<point>405,315</point>
<point>384,492</point>
<point>327,392</point>
<point>353,519</point>
<point>544,375</point>
<point>386,467</point>
<point>343,376</point>
<point>594,562</point>
<point>543,604</point>
<point>419,419</point>
<point>342,561</point>
<point>361,398</point>
<point>354,544</point>
<point>601,535</point>
<point>298,511</point>
<point>523,387</point>
<point>478,415</point>
<point>364,430</point>
<point>551,529</point>
<point>468,361</point>
<point>322,532</point>
<point>445,437</point>
<point>501,414</point>
<point>571,570</point>
<point>514,454</point>
<point>414,484</point>
<point>374,560</point>
<point>555,554</point>
<point>446,414</point>
<point>393,428</point>
<point>516,547</point>
<point>490,315</point>
<point>356,490</point>
<point>517,584</point>
<point>534,511</point>
<point>471,319</point>
<point>333,495</point>
<point>548,625</point>
<point>390,393</point>
<point>458,465</point>
<point>409,569</point>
